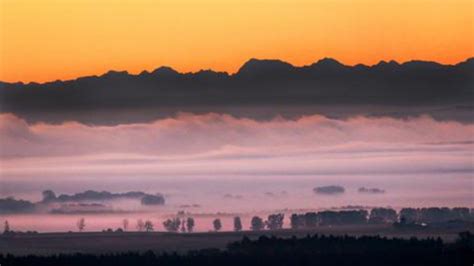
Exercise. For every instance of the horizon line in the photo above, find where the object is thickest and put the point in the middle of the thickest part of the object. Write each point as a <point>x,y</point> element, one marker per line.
<point>239,69</point>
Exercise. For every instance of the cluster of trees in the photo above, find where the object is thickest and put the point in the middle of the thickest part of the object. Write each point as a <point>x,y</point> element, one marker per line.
<point>380,216</point>
<point>313,219</point>
<point>383,216</point>
<point>12,205</point>
<point>273,222</point>
<point>435,215</point>
<point>177,224</point>
<point>146,226</point>
<point>152,200</point>
<point>311,250</point>
<point>91,195</point>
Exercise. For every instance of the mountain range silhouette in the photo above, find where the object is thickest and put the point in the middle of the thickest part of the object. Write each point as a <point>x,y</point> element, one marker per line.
<point>274,86</point>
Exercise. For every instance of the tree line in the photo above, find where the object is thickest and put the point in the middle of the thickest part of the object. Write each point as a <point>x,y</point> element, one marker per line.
<point>406,216</point>
<point>416,216</point>
<point>310,250</point>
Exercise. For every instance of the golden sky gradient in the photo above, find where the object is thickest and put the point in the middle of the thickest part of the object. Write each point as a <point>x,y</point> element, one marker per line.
<point>43,40</point>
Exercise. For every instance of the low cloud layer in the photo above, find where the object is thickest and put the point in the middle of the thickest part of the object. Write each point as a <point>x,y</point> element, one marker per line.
<point>219,144</point>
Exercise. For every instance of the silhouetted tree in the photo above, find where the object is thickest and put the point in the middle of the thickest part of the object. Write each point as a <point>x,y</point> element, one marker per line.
<point>190,224</point>
<point>172,225</point>
<point>140,225</point>
<point>275,221</point>
<point>48,196</point>
<point>6,227</point>
<point>125,224</point>
<point>217,224</point>
<point>256,224</point>
<point>237,224</point>
<point>81,224</point>
<point>183,226</point>
<point>148,226</point>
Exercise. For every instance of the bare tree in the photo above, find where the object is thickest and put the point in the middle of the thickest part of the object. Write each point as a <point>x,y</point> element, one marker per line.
<point>190,224</point>
<point>6,227</point>
<point>140,225</point>
<point>81,224</point>
<point>125,224</point>
<point>217,224</point>
<point>237,224</point>
<point>148,226</point>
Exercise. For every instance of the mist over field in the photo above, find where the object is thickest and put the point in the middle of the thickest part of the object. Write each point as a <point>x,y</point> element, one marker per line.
<point>215,144</point>
<point>217,164</point>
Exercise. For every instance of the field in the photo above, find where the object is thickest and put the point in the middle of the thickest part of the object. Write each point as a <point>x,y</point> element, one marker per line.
<point>100,242</point>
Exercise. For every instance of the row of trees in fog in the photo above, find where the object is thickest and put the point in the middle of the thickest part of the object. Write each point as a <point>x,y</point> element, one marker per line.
<point>274,222</point>
<point>308,220</point>
<point>381,216</point>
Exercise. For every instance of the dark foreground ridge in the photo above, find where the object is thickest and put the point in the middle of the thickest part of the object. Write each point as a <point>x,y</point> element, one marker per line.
<point>311,250</point>
<point>443,91</point>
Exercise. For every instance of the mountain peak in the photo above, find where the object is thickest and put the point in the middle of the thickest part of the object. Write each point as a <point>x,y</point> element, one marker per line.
<point>114,73</point>
<point>165,71</point>
<point>391,63</point>
<point>327,64</point>
<point>262,66</point>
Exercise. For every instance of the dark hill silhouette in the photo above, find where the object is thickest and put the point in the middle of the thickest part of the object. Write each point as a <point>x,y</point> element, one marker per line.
<point>310,250</point>
<point>327,87</point>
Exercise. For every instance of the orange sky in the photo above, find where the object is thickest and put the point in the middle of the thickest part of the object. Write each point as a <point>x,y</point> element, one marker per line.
<point>42,40</point>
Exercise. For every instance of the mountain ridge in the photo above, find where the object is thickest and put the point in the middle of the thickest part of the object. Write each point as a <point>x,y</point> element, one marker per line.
<point>273,84</point>
<point>326,61</point>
